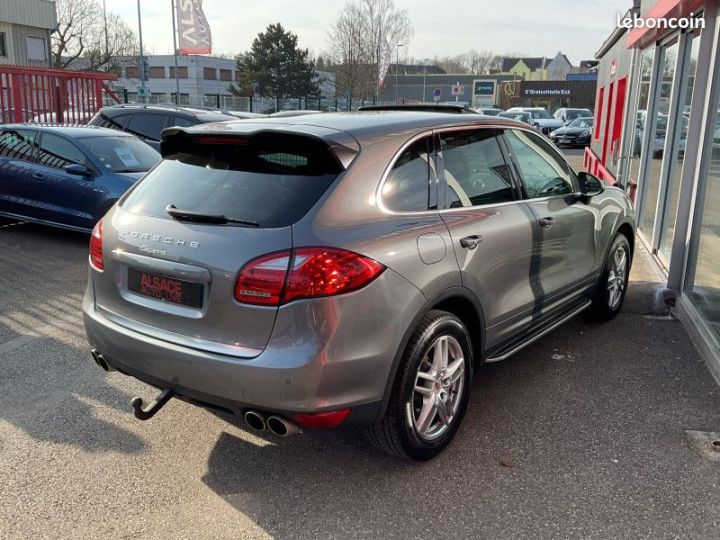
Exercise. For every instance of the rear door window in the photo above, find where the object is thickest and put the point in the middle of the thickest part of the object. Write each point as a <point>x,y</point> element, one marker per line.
<point>148,125</point>
<point>58,152</point>
<point>272,180</point>
<point>407,186</point>
<point>475,170</point>
<point>17,144</point>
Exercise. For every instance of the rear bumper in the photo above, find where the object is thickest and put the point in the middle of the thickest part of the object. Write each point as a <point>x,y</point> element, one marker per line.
<point>324,354</point>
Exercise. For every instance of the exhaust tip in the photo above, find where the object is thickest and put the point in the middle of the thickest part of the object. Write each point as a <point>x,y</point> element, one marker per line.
<point>277,426</point>
<point>281,427</point>
<point>100,360</point>
<point>255,420</point>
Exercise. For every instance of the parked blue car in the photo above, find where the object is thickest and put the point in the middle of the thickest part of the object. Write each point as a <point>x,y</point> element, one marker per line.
<point>67,176</point>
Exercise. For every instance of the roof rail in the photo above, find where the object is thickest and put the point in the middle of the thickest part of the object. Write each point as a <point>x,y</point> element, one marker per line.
<point>420,107</point>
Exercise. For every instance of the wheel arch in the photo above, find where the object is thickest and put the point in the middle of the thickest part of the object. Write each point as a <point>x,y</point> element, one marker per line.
<point>461,302</point>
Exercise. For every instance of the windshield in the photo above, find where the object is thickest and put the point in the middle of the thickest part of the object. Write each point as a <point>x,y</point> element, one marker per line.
<point>572,114</point>
<point>583,122</point>
<point>122,154</point>
<point>541,114</point>
<point>519,116</point>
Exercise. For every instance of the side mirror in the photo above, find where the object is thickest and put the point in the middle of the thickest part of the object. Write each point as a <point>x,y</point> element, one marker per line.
<point>77,169</point>
<point>590,185</point>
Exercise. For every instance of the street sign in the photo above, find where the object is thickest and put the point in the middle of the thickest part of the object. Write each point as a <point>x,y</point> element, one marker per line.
<point>458,90</point>
<point>437,92</point>
<point>142,91</point>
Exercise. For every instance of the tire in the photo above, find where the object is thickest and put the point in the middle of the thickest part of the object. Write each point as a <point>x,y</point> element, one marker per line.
<point>418,425</point>
<point>609,297</point>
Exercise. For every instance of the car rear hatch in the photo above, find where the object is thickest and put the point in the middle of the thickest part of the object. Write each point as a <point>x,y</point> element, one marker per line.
<point>175,243</point>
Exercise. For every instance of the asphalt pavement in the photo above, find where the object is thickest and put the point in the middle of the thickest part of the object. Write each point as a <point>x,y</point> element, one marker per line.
<point>581,435</point>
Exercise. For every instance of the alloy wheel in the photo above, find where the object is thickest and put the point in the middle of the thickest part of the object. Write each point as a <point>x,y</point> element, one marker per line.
<point>617,277</point>
<point>437,390</point>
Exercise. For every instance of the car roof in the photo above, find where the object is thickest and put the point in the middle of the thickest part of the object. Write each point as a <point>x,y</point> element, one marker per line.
<point>70,130</point>
<point>358,124</point>
<point>201,114</point>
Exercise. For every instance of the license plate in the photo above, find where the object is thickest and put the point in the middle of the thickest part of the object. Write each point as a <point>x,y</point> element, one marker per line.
<point>564,140</point>
<point>166,289</point>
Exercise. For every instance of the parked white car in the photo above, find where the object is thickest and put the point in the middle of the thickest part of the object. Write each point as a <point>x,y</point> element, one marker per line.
<point>541,119</point>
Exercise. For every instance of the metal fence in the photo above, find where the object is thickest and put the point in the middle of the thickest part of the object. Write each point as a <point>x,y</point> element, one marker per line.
<point>264,105</point>
<point>51,95</point>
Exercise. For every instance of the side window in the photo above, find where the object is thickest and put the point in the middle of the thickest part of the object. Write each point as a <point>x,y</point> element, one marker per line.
<point>58,152</point>
<point>544,172</point>
<point>148,125</point>
<point>475,170</point>
<point>115,122</point>
<point>17,144</point>
<point>181,121</point>
<point>407,187</point>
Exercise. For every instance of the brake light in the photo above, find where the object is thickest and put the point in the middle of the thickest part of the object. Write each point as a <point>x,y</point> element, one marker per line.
<point>284,276</point>
<point>261,280</point>
<point>96,247</point>
<point>323,420</point>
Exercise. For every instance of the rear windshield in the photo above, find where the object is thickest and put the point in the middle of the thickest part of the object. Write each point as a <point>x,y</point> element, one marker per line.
<point>122,154</point>
<point>272,180</point>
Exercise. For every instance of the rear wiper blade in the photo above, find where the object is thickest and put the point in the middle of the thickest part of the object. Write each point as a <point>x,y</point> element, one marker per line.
<point>199,217</point>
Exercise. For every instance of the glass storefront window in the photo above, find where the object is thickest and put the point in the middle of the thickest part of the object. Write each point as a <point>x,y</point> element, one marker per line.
<point>703,277</point>
<point>673,188</point>
<point>668,57</point>
<point>643,94</point>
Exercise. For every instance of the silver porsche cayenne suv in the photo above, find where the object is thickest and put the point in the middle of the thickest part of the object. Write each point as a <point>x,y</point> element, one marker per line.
<point>346,270</point>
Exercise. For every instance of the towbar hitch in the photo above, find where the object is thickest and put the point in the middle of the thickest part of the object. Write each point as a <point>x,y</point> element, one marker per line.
<point>154,407</point>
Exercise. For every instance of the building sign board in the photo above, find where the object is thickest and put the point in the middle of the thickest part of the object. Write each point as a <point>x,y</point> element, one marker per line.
<point>484,88</point>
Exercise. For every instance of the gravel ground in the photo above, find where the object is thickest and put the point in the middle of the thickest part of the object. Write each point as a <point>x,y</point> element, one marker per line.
<point>581,435</point>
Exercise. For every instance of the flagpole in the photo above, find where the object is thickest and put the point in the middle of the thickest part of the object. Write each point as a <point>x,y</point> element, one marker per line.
<point>175,55</point>
<point>142,57</point>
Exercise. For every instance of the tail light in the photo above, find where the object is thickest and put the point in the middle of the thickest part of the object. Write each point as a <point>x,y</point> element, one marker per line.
<point>312,272</point>
<point>96,248</point>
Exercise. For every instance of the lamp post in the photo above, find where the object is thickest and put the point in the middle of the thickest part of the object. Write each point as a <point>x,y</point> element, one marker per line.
<point>397,70</point>
<point>424,77</point>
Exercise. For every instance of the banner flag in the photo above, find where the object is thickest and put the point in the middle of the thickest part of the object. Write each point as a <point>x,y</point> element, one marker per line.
<point>193,29</point>
<point>384,64</point>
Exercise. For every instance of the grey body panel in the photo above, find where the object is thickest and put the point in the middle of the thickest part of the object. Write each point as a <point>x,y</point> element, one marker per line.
<point>342,351</point>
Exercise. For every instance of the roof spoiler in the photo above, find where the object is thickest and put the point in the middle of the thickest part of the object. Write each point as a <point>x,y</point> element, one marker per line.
<point>420,107</point>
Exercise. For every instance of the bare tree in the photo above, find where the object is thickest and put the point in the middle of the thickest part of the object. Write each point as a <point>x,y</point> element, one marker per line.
<point>349,52</point>
<point>482,62</point>
<point>81,34</point>
<point>365,32</point>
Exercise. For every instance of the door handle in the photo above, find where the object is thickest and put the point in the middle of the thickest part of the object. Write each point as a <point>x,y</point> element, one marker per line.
<point>471,242</point>
<point>37,175</point>
<point>545,222</point>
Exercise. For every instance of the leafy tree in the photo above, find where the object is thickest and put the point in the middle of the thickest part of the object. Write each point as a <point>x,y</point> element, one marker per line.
<point>278,65</point>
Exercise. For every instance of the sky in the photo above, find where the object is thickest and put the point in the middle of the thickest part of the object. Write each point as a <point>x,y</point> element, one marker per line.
<point>441,27</point>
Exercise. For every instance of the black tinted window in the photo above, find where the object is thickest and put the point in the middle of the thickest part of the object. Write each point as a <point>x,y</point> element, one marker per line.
<point>181,121</point>
<point>273,180</point>
<point>58,152</point>
<point>475,169</point>
<point>148,125</point>
<point>115,122</point>
<point>407,186</point>
<point>544,172</point>
<point>17,144</point>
